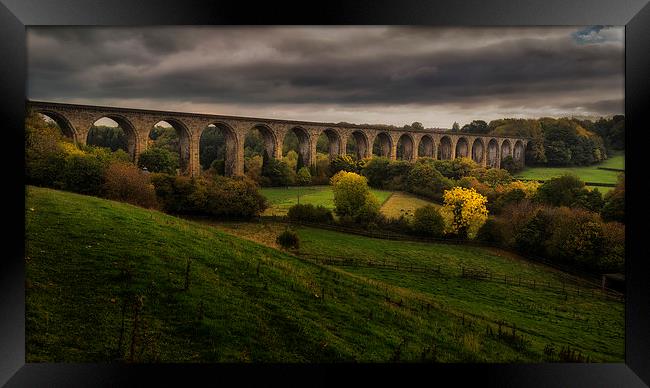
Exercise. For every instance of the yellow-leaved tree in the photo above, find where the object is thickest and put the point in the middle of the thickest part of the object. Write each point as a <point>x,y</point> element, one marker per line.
<point>464,211</point>
<point>352,197</point>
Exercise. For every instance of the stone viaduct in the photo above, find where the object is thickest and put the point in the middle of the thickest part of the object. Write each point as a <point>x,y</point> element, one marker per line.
<point>76,121</point>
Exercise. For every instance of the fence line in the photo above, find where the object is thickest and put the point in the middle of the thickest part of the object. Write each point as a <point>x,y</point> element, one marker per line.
<point>467,272</point>
<point>584,277</point>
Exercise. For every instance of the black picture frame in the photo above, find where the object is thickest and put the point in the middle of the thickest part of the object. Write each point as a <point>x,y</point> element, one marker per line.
<point>15,15</point>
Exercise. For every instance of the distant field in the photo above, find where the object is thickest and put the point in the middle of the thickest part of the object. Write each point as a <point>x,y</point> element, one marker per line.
<point>403,203</point>
<point>282,198</point>
<point>587,174</point>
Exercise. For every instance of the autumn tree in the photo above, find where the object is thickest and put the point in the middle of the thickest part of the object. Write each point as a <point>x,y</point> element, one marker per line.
<point>464,211</point>
<point>352,197</point>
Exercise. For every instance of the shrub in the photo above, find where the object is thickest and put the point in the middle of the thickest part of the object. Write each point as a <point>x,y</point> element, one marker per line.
<point>310,213</point>
<point>125,182</point>
<point>496,176</point>
<point>490,232</point>
<point>509,164</point>
<point>83,174</point>
<point>427,221</point>
<point>376,171</point>
<point>288,239</point>
<point>157,159</point>
<point>236,197</point>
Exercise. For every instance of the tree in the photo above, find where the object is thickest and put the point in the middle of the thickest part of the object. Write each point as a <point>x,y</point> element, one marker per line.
<point>303,177</point>
<point>352,197</point>
<point>561,191</point>
<point>455,127</point>
<point>158,159</point>
<point>427,221</point>
<point>417,126</point>
<point>614,202</point>
<point>464,211</point>
<point>425,180</point>
<point>476,126</point>
<point>343,163</point>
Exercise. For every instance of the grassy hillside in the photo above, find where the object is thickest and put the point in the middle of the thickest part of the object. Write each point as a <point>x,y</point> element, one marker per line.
<point>248,302</point>
<point>583,320</point>
<point>586,173</point>
<point>282,198</point>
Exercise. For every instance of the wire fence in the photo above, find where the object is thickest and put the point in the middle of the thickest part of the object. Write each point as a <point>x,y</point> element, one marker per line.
<point>471,273</point>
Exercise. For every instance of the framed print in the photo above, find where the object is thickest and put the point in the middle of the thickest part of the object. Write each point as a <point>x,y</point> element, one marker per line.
<point>372,192</point>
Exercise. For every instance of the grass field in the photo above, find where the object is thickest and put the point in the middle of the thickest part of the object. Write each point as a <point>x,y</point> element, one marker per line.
<point>88,259</point>
<point>587,173</point>
<point>282,198</point>
<point>401,203</point>
<point>592,324</point>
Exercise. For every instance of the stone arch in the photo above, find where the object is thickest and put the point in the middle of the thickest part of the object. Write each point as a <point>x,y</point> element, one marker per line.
<point>333,141</point>
<point>518,152</point>
<point>129,131</point>
<point>462,147</point>
<point>384,146</point>
<point>505,149</point>
<point>64,124</point>
<point>231,160</point>
<point>406,147</point>
<point>426,147</point>
<point>478,150</point>
<point>303,142</point>
<point>270,139</point>
<point>184,142</point>
<point>493,153</point>
<point>444,148</point>
<point>361,141</point>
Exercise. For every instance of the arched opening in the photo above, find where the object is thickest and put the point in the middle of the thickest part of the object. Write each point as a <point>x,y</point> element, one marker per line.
<point>518,152</point>
<point>444,149</point>
<point>505,149</point>
<point>114,132</point>
<point>478,151</point>
<point>172,136</point>
<point>259,143</point>
<point>60,122</point>
<point>382,145</point>
<point>328,143</point>
<point>493,153</point>
<point>425,148</point>
<point>462,148</point>
<point>295,148</point>
<point>357,145</point>
<point>405,147</point>
<point>218,149</point>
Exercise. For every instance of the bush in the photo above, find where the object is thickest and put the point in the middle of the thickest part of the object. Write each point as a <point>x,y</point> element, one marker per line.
<point>376,171</point>
<point>427,221</point>
<point>288,239</point>
<point>614,203</point>
<point>490,232</point>
<point>310,213</point>
<point>126,183</point>
<point>83,174</point>
<point>157,159</point>
<point>236,197</point>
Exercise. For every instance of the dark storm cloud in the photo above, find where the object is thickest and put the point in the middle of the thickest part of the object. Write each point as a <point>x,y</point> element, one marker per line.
<point>562,68</point>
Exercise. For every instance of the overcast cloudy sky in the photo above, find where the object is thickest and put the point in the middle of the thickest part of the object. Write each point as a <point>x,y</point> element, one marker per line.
<point>379,75</point>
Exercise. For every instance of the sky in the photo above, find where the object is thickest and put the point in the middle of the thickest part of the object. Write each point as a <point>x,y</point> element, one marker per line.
<point>363,75</point>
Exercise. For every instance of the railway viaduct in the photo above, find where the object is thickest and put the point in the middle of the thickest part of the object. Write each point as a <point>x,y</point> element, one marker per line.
<point>76,121</point>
